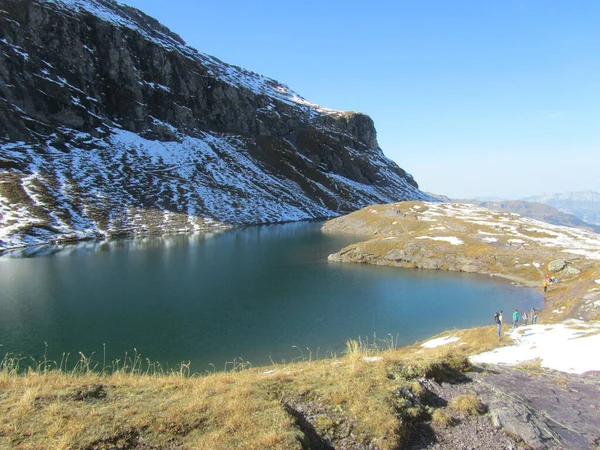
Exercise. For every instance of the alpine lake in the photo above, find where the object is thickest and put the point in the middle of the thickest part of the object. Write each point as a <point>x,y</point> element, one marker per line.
<point>258,294</point>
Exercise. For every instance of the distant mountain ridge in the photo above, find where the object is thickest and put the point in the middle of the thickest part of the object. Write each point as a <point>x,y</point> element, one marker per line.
<point>584,204</point>
<point>111,125</point>
<point>535,210</point>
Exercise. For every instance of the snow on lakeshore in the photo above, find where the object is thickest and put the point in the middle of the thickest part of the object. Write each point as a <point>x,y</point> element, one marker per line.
<point>372,358</point>
<point>570,347</point>
<point>451,239</point>
<point>437,342</point>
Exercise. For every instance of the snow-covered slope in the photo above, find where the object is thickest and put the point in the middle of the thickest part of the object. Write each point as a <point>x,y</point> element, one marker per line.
<point>110,124</point>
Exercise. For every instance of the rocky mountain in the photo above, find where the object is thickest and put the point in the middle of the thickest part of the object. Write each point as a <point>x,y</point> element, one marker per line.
<point>110,124</point>
<point>585,205</point>
<point>539,211</point>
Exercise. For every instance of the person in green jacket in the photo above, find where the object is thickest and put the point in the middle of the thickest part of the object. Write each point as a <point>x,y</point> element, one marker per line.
<point>516,318</point>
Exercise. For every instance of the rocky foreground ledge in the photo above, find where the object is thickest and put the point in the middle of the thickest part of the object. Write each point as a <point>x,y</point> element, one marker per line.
<point>539,389</point>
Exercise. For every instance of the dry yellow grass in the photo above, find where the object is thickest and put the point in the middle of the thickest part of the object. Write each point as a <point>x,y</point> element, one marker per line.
<point>57,410</point>
<point>247,409</point>
<point>532,367</point>
<point>442,419</point>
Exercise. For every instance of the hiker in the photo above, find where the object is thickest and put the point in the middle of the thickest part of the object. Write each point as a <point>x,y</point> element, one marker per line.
<point>516,318</point>
<point>534,316</point>
<point>497,322</point>
<point>545,284</point>
<point>501,318</point>
<point>525,317</point>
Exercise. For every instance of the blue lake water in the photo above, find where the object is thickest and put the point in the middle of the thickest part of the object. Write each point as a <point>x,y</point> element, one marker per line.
<point>259,293</point>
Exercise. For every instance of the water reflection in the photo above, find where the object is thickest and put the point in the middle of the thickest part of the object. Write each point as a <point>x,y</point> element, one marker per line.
<point>253,293</point>
<point>241,235</point>
<point>129,244</point>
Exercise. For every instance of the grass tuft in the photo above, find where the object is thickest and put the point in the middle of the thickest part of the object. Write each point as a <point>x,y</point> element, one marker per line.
<point>358,348</point>
<point>442,419</point>
<point>468,404</point>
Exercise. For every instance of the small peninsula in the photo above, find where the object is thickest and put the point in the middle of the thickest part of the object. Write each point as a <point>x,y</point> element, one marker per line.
<point>468,238</point>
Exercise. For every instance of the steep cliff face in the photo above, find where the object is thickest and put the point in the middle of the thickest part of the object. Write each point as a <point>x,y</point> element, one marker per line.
<point>110,124</point>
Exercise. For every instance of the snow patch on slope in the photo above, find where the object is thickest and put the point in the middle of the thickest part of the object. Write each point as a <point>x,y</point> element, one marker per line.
<point>95,191</point>
<point>569,347</point>
<point>520,230</point>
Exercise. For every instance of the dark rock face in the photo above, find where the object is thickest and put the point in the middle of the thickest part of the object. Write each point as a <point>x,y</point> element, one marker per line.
<point>548,409</point>
<point>110,124</point>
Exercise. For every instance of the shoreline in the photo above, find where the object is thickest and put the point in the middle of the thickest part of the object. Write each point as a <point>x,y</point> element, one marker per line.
<point>418,396</point>
<point>217,228</point>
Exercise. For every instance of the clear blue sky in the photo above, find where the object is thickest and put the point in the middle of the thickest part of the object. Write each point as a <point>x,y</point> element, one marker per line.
<point>473,98</point>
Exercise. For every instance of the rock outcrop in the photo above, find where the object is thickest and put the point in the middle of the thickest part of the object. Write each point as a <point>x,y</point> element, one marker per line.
<point>526,408</point>
<point>110,124</point>
<point>557,265</point>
